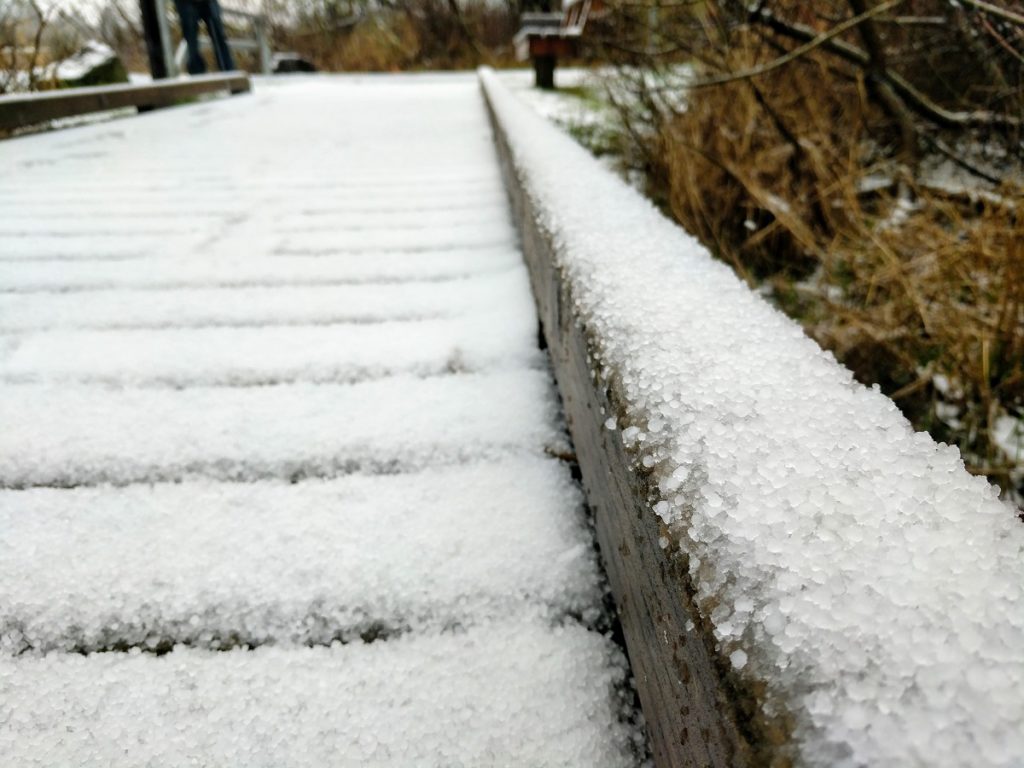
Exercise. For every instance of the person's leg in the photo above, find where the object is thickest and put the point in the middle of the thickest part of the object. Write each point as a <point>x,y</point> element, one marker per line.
<point>215,26</point>
<point>188,13</point>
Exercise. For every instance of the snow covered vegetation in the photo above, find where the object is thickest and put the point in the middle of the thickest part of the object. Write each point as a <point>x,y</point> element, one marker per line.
<point>858,162</point>
<point>865,589</point>
<point>283,474</point>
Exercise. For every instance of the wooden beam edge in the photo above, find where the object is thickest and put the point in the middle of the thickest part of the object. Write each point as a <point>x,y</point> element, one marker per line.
<point>25,110</point>
<point>698,713</point>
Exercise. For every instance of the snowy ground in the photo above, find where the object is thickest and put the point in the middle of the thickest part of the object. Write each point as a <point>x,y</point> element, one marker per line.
<point>579,106</point>
<point>277,471</point>
<point>564,105</point>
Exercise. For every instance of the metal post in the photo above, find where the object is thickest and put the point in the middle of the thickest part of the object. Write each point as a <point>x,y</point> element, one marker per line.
<point>165,37</point>
<point>263,38</point>
<point>151,33</point>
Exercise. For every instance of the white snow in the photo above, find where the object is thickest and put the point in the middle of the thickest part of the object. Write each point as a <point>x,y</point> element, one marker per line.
<point>278,481</point>
<point>491,214</point>
<point>874,588</point>
<point>510,693</point>
<point>415,240</point>
<point>274,354</point>
<point>1008,434</point>
<point>274,305</point>
<point>212,564</point>
<point>78,65</point>
<point>110,246</point>
<point>353,269</point>
<point>76,435</point>
<point>564,109</point>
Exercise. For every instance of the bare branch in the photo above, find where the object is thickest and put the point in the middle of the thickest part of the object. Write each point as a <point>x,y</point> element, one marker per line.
<point>1001,40</point>
<point>916,100</point>
<point>799,50</point>
<point>37,43</point>
<point>964,163</point>
<point>995,10</point>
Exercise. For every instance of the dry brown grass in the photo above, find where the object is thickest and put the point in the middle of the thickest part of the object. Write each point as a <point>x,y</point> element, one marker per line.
<point>937,298</point>
<point>918,291</point>
<point>374,45</point>
<point>425,34</point>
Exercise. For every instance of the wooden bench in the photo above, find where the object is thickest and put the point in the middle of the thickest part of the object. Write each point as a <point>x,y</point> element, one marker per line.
<point>546,37</point>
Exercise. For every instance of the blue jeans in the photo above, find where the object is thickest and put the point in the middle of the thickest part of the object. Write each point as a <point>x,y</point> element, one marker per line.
<point>191,12</point>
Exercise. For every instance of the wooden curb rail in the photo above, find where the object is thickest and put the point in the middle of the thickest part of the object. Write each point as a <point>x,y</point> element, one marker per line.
<point>693,714</point>
<point>23,110</point>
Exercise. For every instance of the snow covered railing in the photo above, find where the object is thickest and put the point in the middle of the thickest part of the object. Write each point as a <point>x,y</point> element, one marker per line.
<point>802,579</point>
<point>23,110</point>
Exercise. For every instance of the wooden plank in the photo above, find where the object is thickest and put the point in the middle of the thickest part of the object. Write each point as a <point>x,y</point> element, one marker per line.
<point>22,110</point>
<point>694,714</point>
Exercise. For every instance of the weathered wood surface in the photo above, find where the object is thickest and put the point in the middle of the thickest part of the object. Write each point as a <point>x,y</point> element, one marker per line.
<point>693,716</point>
<point>24,110</point>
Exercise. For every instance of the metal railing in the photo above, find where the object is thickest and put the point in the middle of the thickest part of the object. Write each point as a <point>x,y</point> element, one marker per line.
<point>259,24</point>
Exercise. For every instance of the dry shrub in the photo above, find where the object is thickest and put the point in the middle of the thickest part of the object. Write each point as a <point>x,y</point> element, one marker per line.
<point>384,43</point>
<point>918,291</point>
<point>932,308</point>
<point>424,34</point>
<point>778,155</point>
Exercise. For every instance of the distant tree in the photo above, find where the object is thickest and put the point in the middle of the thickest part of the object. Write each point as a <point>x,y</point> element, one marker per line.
<point>34,38</point>
<point>119,27</point>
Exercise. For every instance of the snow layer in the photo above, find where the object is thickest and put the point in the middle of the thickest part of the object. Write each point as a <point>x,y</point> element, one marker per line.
<point>109,247</point>
<point>472,234</point>
<point>274,354</point>
<point>342,217</point>
<point>186,299</point>
<point>211,564</point>
<point>509,693</point>
<point>92,55</point>
<point>75,435</point>
<point>145,213</point>
<point>850,565</point>
<point>57,275</point>
<point>348,199</point>
<point>506,292</point>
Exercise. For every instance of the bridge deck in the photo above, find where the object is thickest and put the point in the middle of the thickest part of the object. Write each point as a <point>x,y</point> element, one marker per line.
<point>278,449</point>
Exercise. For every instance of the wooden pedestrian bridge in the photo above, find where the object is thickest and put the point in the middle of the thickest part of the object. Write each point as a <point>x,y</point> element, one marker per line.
<point>289,476</point>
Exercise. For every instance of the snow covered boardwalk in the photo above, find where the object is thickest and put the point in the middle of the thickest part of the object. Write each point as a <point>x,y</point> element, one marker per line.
<point>279,457</point>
